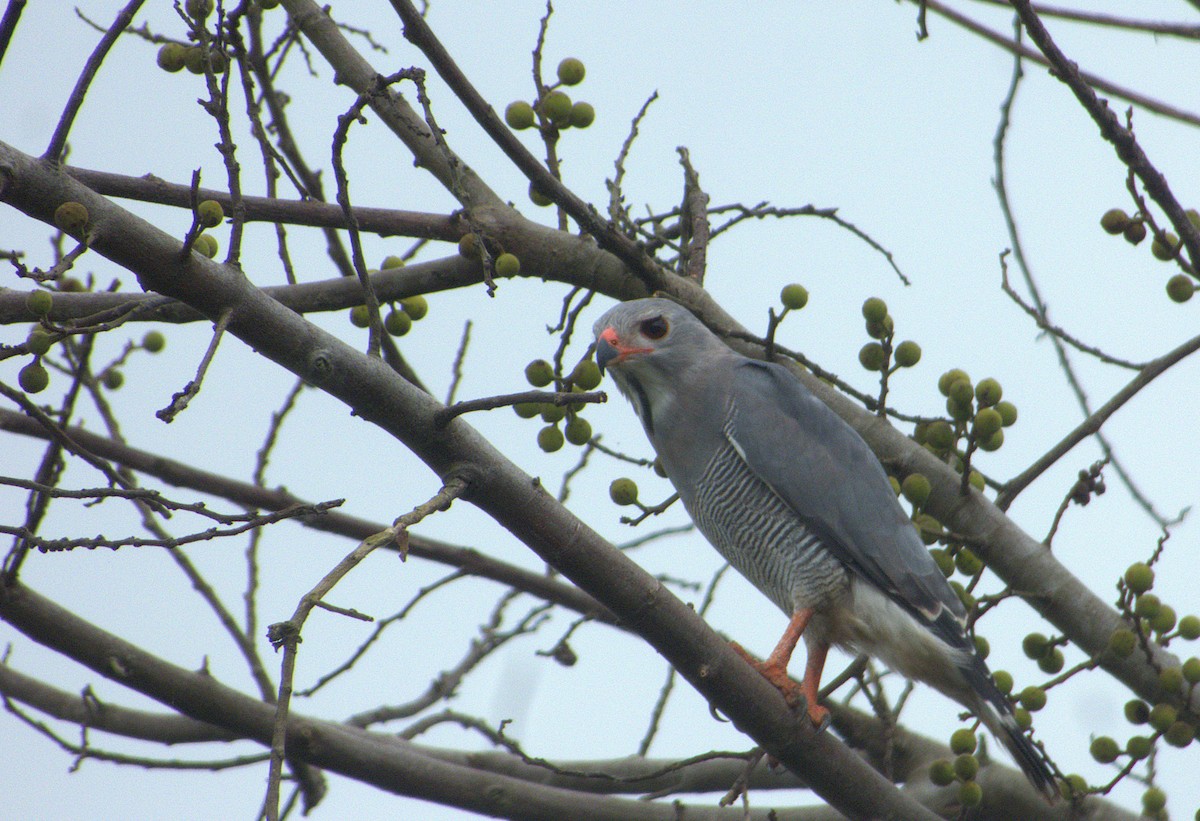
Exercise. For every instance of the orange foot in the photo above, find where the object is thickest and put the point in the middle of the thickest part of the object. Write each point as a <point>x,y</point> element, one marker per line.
<point>797,696</point>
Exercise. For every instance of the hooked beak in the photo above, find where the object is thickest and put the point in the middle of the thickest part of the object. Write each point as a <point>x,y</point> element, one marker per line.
<point>610,348</point>
<point>606,348</point>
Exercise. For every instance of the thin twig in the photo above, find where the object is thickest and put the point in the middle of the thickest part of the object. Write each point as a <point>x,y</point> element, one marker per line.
<point>287,634</point>
<point>181,399</point>
<point>58,141</point>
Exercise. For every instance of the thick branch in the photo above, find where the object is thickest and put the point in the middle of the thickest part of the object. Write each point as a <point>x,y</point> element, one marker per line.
<point>261,498</point>
<point>380,760</point>
<point>385,222</point>
<point>503,491</point>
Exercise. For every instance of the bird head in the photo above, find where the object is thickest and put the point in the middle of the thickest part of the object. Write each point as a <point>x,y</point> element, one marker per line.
<point>649,346</point>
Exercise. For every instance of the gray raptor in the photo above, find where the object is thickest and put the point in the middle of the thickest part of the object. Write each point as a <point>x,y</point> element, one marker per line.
<point>794,499</point>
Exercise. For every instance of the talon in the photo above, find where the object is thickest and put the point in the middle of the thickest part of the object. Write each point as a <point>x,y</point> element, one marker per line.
<point>820,717</point>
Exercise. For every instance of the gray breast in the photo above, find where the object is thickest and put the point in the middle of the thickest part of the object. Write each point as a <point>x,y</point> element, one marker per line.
<point>761,537</point>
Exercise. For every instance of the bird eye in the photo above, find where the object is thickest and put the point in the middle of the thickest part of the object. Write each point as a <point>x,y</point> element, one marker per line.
<point>654,328</point>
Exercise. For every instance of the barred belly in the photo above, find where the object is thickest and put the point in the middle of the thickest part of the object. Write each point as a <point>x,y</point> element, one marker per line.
<point>762,538</point>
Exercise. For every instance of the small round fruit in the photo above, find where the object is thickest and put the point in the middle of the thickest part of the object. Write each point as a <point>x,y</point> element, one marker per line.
<point>415,306</point>
<point>1163,620</point>
<point>507,265</point>
<point>519,115</point>
<point>170,57</point>
<point>916,488</point>
<point>967,562</point>
<point>908,353</point>
<point>195,58</point>
<point>874,310</point>
<point>206,245</point>
<point>397,323</point>
<point>578,431</point>
<point>552,413</point>
<point>794,296</point>
<point>623,491</point>
<point>538,198</point>
<point>1135,232</point>
<point>1137,711</point>
<point>949,378</point>
<point>71,217</point>
<point>1008,413</point>
<point>941,772</point>
<point>550,438</point>
<point>1154,800</point>
<point>210,213</point>
<point>1122,642</point>
<point>468,246</point>
<point>940,435</point>
<point>360,316</point>
<point>872,356</point>
<point>1004,681</point>
<point>1034,646</point>
<point>988,392</point>
<point>586,375</point>
<point>218,62</point>
<point>1073,785</point>
<point>1180,288</point>
<point>582,115</point>
<point>1022,717</point>
<point>391,261</point>
<point>1114,221</point>
<point>113,379</point>
<point>970,794</point>
<point>1165,248</point>
<point>39,341</point>
<point>1162,716</point>
<point>39,302</point>
<point>1180,734</point>
<point>1189,627</point>
<point>987,422</point>
<point>527,410</point>
<point>993,442</point>
<point>154,341</point>
<point>1052,662</point>
<point>659,470</point>
<point>33,378</point>
<point>958,411</point>
<point>963,741</point>
<point>571,71</point>
<point>966,766</point>
<point>968,601</point>
<point>976,480</point>
<point>539,373</point>
<point>961,392</point>
<point>982,648</point>
<point>1147,605</point>
<point>880,330</point>
<point>556,106</point>
<point>1170,681</point>
<point>199,9</point>
<point>1033,698</point>
<point>1139,577</point>
<point>942,559</point>
<point>1139,747</point>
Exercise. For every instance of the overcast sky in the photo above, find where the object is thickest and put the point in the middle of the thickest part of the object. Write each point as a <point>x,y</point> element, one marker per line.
<point>825,103</point>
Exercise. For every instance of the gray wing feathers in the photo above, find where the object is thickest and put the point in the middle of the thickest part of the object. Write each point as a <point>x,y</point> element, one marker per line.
<point>827,475</point>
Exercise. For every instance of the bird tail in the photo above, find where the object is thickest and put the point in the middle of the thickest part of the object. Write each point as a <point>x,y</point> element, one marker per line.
<point>995,712</point>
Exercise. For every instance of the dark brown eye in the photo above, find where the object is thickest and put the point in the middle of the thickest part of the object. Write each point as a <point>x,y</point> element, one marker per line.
<point>654,328</point>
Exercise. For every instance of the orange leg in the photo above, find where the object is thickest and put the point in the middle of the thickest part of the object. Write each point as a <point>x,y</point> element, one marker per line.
<point>774,669</point>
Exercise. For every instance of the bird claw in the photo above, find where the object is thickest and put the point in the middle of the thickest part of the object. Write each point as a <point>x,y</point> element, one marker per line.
<point>792,692</point>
